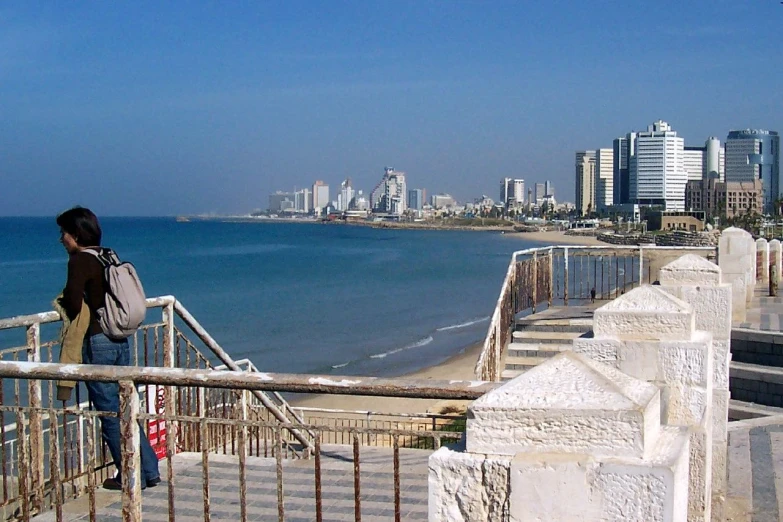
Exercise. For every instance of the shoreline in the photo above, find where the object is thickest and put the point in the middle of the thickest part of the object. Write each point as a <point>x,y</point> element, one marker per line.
<point>557,238</point>
<point>457,367</point>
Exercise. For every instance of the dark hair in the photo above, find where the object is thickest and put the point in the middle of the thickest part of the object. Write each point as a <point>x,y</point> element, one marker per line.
<point>82,224</point>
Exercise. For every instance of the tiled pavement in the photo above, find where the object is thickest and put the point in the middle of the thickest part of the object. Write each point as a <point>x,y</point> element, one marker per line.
<point>377,488</point>
<point>764,312</point>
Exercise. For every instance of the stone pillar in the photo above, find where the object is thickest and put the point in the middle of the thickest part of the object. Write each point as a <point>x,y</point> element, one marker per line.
<point>762,261</point>
<point>698,282</point>
<point>651,335</point>
<point>775,254</point>
<point>571,439</point>
<point>736,258</point>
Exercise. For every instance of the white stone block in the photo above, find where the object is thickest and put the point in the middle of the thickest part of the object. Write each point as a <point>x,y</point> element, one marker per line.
<point>711,304</point>
<point>579,488</point>
<point>646,312</point>
<point>467,487</point>
<point>720,469</point>
<point>604,350</point>
<point>720,415</point>
<point>721,357</point>
<point>700,472</point>
<point>762,260</point>
<point>739,298</point>
<point>569,404</point>
<point>690,270</point>
<point>684,405</point>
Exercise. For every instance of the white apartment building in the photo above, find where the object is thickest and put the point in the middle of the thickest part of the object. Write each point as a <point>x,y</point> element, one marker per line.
<point>704,162</point>
<point>585,182</point>
<point>303,200</point>
<point>512,192</point>
<point>346,195</point>
<point>390,196</point>
<point>320,196</point>
<point>604,178</point>
<point>657,175</point>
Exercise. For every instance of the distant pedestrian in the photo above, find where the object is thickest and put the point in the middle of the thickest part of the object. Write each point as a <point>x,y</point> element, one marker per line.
<point>80,231</point>
<point>592,295</point>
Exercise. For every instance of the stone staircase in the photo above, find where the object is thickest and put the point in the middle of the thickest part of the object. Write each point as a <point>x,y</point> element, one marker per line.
<point>545,334</point>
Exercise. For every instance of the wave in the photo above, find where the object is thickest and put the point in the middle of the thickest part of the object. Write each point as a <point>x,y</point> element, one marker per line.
<point>462,325</point>
<point>418,344</point>
<point>343,365</point>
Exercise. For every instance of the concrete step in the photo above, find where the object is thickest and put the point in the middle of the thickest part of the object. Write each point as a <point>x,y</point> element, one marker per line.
<point>523,363</point>
<point>545,337</point>
<point>536,350</point>
<point>554,325</point>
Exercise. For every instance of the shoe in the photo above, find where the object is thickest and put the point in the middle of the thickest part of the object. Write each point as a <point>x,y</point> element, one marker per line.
<point>151,483</point>
<point>113,484</point>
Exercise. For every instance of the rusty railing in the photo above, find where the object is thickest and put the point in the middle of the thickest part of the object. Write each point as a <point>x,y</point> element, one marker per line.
<point>538,278</point>
<point>256,444</point>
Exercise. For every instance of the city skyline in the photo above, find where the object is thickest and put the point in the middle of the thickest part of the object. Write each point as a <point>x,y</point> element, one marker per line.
<point>151,109</point>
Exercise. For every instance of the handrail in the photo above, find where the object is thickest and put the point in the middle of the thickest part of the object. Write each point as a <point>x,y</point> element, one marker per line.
<point>281,382</point>
<point>488,365</point>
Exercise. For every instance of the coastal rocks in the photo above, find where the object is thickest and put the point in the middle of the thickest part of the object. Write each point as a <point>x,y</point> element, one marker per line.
<point>674,238</point>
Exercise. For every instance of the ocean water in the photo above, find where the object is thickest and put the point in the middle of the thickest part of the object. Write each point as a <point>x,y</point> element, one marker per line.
<point>305,298</point>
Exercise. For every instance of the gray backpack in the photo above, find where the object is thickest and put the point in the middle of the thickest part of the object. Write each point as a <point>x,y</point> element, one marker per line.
<point>126,305</point>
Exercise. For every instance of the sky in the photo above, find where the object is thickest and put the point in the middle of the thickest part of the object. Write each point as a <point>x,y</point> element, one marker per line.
<point>166,108</point>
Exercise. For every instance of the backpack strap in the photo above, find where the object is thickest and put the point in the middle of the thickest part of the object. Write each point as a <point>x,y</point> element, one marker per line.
<point>106,256</point>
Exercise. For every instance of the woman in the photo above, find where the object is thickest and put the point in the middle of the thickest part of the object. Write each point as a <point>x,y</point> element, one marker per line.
<point>80,230</point>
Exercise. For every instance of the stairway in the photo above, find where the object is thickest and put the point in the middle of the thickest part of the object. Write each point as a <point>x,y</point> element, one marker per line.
<point>545,334</point>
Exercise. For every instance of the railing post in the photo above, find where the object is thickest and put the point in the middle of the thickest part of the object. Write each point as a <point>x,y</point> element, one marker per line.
<point>169,392</point>
<point>535,280</point>
<point>131,458</point>
<point>36,424</point>
<point>641,266</point>
<point>551,287</point>
<point>243,415</point>
<point>565,273</point>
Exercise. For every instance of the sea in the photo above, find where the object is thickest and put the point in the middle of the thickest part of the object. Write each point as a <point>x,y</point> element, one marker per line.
<point>291,297</point>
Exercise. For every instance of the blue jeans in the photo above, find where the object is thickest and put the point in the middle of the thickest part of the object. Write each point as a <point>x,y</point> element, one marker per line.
<point>105,396</point>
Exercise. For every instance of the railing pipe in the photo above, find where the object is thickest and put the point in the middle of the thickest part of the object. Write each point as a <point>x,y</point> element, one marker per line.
<point>229,362</point>
<point>131,458</point>
<point>36,424</point>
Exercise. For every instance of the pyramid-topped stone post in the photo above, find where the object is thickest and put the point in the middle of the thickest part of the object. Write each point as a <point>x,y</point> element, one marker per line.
<point>762,261</point>
<point>571,439</point>
<point>737,260</point>
<point>697,281</point>
<point>650,334</point>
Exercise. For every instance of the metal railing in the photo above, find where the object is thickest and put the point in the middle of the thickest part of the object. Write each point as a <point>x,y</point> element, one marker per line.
<point>538,278</point>
<point>247,435</point>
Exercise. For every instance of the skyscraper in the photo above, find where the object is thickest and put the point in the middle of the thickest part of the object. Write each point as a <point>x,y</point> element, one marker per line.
<point>704,162</point>
<point>320,195</point>
<point>604,178</point>
<point>620,181</point>
<point>752,155</point>
<point>345,196</point>
<point>540,193</point>
<point>656,172</point>
<point>416,199</point>
<point>391,194</point>
<point>506,191</point>
<point>549,189</point>
<point>585,182</point>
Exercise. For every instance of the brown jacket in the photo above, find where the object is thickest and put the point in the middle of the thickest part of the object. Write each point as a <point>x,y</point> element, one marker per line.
<point>72,336</point>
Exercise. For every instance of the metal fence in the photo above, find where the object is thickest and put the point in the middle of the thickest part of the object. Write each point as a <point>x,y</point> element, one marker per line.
<point>40,480</point>
<point>539,278</point>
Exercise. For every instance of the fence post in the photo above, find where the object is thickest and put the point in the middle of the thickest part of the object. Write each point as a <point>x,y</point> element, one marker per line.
<point>131,458</point>
<point>171,407</point>
<point>36,423</point>
<point>551,275</point>
<point>641,266</point>
<point>535,280</point>
<point>565,273</point>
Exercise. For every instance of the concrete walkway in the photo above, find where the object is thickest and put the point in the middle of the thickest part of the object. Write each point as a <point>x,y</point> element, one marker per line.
<point>377,489</point>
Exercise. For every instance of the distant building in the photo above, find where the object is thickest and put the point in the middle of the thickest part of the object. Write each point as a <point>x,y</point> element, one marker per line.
<point>282,202</point>
<point>656,173</point>
<point>416,199</point>
<point>512,192</point>
<point>755,155</point>
<point>440,201</point>
<point>361,202</point>
<point>690,221</point>
<point>703,162</point>
<point>303,201</point>
<point>345,197</point>
<point>540,193</point>
<point>585,182</point>
<point>549,189</point>
<point>620,173</point>
<point>604,179</point>
<point>320,195</point>
<point>390,196</point>
<point>730,198</point>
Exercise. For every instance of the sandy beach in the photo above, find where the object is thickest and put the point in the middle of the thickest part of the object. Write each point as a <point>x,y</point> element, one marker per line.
<point>556,238</point>
<point>458,367</point>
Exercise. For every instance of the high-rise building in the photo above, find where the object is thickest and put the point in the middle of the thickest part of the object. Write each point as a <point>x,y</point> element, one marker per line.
<point>755,155</point>
<point>320,196</point>
<point>282,202</point>
<point>656,173</point>
<point>506,191</point>
<point>303,200</point>
<point>604,178</point>
<point>416,199</point>
<point>585,182</point>
<point>390,196</point>
<point>549,189</point>
<point>620,182</point>
<point>693,162</point>
<point>345,197</point>
<point>540,193</point>
<point>439,201</point>
<point>704,162</point>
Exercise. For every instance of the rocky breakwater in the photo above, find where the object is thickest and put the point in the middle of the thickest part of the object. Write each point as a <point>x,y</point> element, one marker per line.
<point>675,238</point>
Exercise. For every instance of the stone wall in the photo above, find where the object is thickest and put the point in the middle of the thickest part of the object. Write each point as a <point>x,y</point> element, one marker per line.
<point>676,238</point>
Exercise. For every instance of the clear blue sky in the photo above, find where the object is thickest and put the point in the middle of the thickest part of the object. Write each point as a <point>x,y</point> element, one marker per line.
<point>160,108</point>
